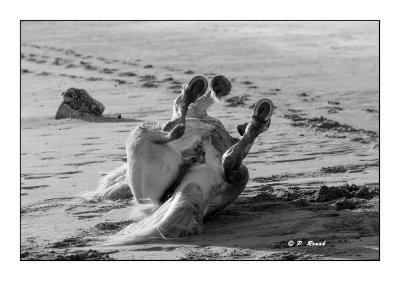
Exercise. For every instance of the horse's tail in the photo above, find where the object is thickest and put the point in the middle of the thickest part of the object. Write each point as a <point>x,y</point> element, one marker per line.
<point>180,216</point>
<point>113,186</point>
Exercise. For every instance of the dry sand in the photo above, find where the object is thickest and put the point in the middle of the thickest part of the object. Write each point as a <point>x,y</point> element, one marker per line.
<point>322,76</point>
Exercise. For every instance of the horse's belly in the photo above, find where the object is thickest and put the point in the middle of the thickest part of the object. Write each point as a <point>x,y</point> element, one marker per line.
<point>213,135</point>
<point>208,177</point>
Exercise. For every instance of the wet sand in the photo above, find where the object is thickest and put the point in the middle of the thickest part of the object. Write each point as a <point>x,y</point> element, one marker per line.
<point>314,176</point>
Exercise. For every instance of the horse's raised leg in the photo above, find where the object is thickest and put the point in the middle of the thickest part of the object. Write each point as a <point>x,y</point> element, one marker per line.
<point>153,164</point>
<point>236,174</point>
<point>194,89</point>
<point>220,87</point>
<point>233,157</point>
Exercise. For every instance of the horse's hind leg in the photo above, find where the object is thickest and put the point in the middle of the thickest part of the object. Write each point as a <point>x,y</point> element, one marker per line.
<point>153,165</point>
<point>220,87</point>
<point>194,89</point>
<point>233,157</point>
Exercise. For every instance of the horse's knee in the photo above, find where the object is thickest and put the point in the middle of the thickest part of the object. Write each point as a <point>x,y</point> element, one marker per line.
<point>234,174</point>
<point>232,161</point>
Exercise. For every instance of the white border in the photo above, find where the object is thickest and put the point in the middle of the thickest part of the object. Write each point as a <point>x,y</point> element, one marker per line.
<point>13,11</point>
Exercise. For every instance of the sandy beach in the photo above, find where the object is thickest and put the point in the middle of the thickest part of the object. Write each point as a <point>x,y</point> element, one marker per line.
<point>314,175</point>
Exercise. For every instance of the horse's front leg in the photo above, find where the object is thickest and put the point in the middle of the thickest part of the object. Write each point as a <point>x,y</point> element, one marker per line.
<point>154,164</point>
<point>190,92</point>
<point>220,87</point>
<point>233,157</point>
<point>236,174</point>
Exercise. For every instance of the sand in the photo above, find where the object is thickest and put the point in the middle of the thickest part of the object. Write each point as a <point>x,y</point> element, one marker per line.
<point>314,176</point>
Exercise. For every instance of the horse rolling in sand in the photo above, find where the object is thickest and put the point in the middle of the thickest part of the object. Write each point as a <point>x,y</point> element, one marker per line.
<point>185,170</point>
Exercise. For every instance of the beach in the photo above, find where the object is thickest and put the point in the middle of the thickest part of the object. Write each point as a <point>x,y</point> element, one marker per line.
<point>314,175</point>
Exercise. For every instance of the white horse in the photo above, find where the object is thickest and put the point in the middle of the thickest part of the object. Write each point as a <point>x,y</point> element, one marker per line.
<point>187,169</point>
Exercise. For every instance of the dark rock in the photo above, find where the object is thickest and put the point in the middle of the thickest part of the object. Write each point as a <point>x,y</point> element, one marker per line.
<point>80,101</point>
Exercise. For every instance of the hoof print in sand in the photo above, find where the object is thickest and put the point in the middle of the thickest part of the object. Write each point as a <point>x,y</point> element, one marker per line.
<point>25,71</point>
<point>350,204</point>
<point>322,124</point>
<point>325,193</point>
<point>84,255</point>
<point>237,101</point>
<point>127,74</point>
<point>149,81</point>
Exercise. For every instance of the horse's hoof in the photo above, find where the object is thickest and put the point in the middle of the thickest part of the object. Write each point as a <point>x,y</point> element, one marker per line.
<point>195,89</point>
<point>221,86</point>
<point>263,110</point>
